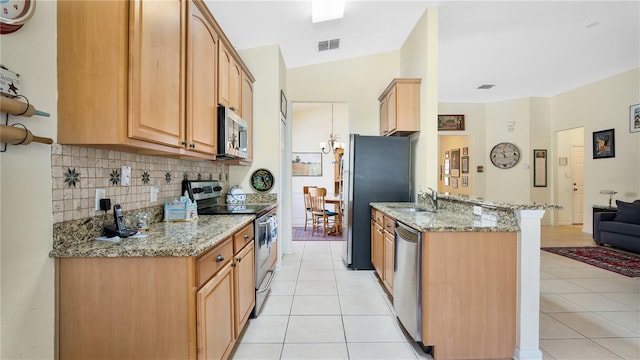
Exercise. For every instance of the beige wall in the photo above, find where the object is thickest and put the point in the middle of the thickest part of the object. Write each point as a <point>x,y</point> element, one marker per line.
<point>599,106</point>
<point>27,290</point>
<point>419,59</point>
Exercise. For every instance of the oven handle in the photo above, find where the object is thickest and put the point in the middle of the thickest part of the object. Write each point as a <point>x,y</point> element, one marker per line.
<point>266,287</point>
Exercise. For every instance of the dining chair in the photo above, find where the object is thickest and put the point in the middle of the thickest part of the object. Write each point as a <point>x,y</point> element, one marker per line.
<point>307,206</point>
<point>319,212</point>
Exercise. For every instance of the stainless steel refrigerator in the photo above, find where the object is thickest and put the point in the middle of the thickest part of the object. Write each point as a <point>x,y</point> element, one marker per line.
<point>379,171</point>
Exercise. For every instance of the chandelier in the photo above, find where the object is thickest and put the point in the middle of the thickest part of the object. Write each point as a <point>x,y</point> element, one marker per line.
<point>332,144</point>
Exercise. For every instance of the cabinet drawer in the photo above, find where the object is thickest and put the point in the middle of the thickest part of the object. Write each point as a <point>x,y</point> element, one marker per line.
<point>377,216</point>
<point>208,264</point>
<point>389,224</point>
<point>242,238</point>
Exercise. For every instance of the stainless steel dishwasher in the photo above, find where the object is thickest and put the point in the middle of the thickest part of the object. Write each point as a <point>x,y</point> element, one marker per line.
<point>407,287</point>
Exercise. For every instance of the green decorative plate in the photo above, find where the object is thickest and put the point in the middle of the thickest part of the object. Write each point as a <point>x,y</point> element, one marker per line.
<point>262,180</point>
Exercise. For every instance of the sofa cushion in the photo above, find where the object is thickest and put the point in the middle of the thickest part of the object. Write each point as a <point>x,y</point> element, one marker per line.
<point>620,228</point>
<point>628,212</point>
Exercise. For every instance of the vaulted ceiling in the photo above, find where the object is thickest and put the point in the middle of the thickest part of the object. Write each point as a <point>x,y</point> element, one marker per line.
<point>524,48</point>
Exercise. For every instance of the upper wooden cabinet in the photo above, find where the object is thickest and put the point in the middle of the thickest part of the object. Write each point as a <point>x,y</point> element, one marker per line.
<point>400,108</point>
<point>247,110</point>
<point>202,84</point>
<point>141,76</point>
<point>230,80</point>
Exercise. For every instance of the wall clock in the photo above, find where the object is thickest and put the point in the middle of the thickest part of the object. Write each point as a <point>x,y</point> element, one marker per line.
<point>262,180</point>
<point>505,155</point>
<point>14,14</point>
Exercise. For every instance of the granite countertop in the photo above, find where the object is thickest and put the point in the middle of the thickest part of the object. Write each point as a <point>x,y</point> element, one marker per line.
<point>163,239</point>
<point>443,220</point>
<point>496,204</point>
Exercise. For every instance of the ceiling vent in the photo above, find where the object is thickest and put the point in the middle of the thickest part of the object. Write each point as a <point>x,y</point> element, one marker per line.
<point>485,86</point>
<point>328,44</point>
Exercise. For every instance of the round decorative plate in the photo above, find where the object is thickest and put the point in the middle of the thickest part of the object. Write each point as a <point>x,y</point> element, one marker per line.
<point>262,180</point>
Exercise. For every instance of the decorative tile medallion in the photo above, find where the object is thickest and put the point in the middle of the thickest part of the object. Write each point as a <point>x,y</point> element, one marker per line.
<point>167,177</point>
<point>199,176</point>
<point>114,177</point>
<point>185,176</point>
<point>71,177</point>
<point>145,177</point>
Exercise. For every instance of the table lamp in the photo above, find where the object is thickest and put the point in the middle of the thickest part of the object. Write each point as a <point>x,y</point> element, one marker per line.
<point>610,193</point>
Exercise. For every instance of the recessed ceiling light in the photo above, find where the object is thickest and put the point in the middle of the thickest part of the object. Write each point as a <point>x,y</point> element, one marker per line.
<point>324,10</point>
<point>485,86</point>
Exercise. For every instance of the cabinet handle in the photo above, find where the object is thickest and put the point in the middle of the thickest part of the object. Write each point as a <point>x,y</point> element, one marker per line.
<point>233,264</point>
<point>193,146</point>
<point>238,259</point>
<point>184,143</point>
<point>246,236</point>
<point>219,258</point>
<point>388,225</point>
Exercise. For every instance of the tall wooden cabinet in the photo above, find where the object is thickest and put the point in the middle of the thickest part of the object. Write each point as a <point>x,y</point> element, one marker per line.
<point>202,83</point>
<point>400,108</point>
<point>143,76</point>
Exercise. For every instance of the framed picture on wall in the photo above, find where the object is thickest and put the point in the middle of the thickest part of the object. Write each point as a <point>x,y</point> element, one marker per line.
<point>604,145</point>
<point>446,181</point>
<point>465,164</point>
<point>465,181</point>
<point>465,151</point>
<point>446,166</point>
<point>454,183</point>
<point>306,164</point>
<point>634,118</point>
<point>450,122</point>
<point>455,163</point>
<point>539,168</point>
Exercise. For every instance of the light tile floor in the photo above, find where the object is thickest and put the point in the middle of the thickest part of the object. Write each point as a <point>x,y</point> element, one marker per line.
<point>318,309</point>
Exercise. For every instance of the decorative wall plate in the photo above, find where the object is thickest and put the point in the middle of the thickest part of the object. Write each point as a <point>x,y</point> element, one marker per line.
<point>262,180</point>
<point>14,14</point>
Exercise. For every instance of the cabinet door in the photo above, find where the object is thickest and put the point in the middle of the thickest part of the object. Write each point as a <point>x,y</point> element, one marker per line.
<point>156,74</point>
<point>389,251</point>
<point>235,86</point>
<point>214,313</point>
<point>224,68</point>
<point>247,111</point>
<point>377,248</point>
<point>244,282</point>
<point>392,120</point>
<point>383,116</point>
<point>202,61</point>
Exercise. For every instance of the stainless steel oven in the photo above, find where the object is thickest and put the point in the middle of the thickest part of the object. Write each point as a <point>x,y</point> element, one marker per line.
<point>266,235</point>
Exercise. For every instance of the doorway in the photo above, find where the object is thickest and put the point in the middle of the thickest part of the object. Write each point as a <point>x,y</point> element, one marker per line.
<point>577,177</point>
<point>568,167</point>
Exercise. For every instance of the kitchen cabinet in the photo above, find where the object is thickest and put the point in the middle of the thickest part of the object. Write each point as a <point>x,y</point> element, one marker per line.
<point>140,76</point>
<point>202,89</point>
<point>155,307</point>
<point>388,252</point>
<point>382,247</point>
<point>247,111</point>
<point>230,80</point>
<point>400,107</point>
<point>377,243</point>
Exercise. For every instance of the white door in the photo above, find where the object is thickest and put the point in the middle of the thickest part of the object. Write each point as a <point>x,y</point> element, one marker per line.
<point>577,179</point>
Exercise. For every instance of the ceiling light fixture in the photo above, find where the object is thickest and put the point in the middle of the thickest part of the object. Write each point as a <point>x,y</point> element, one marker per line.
<point>324,10</point>
<point>333,143</point>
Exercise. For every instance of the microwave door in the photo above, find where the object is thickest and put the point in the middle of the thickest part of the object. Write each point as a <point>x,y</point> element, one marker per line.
<point>242,141</point>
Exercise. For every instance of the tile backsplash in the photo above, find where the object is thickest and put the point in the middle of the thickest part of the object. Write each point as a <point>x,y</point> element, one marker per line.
<point>78,171</point>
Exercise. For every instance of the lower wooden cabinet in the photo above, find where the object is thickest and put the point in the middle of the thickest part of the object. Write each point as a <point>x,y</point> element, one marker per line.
<point>377,238</point>
<point>383,247</point>
<point>389,252</point>
<point>215,316</point>
<point>154,307</point>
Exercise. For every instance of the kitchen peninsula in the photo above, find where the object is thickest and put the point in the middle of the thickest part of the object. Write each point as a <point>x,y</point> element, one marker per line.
<point>479,276</point>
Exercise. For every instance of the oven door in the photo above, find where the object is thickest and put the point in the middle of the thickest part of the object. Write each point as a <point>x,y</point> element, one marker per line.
<point>265,232</point>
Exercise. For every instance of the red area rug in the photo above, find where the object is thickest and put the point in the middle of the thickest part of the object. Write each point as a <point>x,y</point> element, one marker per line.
<point>621,262</point>
<point>298,234</point>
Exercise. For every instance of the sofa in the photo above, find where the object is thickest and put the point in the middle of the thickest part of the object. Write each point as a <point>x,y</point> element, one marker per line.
<point>620,229</point>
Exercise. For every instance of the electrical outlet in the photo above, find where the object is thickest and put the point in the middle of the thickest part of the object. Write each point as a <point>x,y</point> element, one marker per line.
<point>100,194</point>
<point>125,177</point>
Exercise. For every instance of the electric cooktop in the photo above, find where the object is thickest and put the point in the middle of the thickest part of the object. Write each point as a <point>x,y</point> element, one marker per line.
<point>207,193</point>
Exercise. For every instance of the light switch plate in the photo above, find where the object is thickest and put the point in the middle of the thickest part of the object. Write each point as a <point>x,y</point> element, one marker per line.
<point>125,179</point>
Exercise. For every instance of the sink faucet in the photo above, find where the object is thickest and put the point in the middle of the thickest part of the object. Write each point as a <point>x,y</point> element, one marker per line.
<point>433,198</point>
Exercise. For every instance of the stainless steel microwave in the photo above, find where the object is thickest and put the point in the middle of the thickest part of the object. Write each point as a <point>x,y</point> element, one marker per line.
<point>232,135</point>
